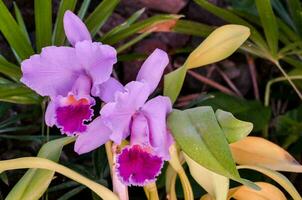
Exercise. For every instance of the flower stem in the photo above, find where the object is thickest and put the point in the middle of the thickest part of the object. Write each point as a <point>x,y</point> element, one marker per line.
<point>152,191</point>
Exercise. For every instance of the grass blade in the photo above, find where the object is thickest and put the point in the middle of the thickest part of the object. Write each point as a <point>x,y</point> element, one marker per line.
<point>192,28</point>
<point>13,33</point>
<point>59,35</point>
<point>43,22</point>
<point>21,21</point>
<point>84,7</point>
<point>9,69</point>
<point>100,15</point>
<point>295,8</point>
<point>269,24</point>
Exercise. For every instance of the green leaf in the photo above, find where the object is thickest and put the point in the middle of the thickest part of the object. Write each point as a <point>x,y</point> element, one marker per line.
<point>42,163</point>
<point>59,35</point>
<point>282,12</point>
<point>100,15</point>
<point>126,24</point>
<point>10,69</point>
<point>233,128</point>
<point>201,138</point>
<point>269,23</point>
<point>35,181</point>
<point>84,7</point>
<point>251,111</point>
<point>72,192</point>
<point>192,28</point>
<point>13,33</point>
<point>17,93</point>
<point>43,22</point>
<point>138,26</point>
<point>4,178</point>
<point>295,8</point>
<point>234,19</point>
<point>21,21</point>
<point>173,83</point>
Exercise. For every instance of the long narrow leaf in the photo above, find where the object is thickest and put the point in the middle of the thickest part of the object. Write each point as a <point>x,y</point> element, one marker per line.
<point>269,24</point>
<point>84,7</point>
<point>100,15</point>
<point>43,21</point>
<point>58,35</point>
<point>42,163</point>
<point>295,8</point>
<point>20,21</point>
<point>10,69</point>
<point>13,33</point>
<point>192,28</point>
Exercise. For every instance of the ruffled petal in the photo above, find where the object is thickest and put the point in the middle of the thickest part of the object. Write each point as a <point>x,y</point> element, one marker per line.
<point>117,115</point>
<point>138,166</point>
<point>107,90</point>
<point>96,59</point>
<point>156,111</point>
<point>72,112</point>
<point>96,135</point>
<point>153,69</point>
<point>53,72</point>
<point>75,29</point>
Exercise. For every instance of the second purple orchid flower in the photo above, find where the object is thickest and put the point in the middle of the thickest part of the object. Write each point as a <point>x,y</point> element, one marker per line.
<point>73,76</point>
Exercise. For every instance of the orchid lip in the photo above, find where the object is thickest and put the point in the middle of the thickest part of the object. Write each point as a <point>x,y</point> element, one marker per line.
<point>137,165</point>
<point>72,113</point>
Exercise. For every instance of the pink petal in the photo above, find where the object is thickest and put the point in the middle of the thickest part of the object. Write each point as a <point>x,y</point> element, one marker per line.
<point>96,59</point>
<point>117,115</point>
<point>53,72</point>
<point>139,130</point>
<point>156,111</point>
<point>75,29</point>
<point>50,114</point>
<point>96,135</point>
<point>153,69</point>
<point>137,166</point>
<point>107,90</point>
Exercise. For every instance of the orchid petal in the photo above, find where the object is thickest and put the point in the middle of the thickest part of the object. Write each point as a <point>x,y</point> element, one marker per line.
<point>153,69</point>
<point>75,29</point>
<point>117,115</point>
<point>139,130</point>
<point>51,73</point>
<point>107,90</point>
<point>96,59</point>
<point>156,111</point>
<point>96,135</point>
<point>50,114</point>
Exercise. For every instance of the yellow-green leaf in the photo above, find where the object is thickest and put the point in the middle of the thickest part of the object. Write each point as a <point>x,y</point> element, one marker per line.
<point>173,83</point>
<point>258,151</point>
<point>42,163</point>
<point>220,44</point>
<point>216,185</point>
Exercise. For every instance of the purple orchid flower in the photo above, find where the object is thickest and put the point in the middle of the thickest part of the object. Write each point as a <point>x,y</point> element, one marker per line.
<point>127,112</point>
<point>69,75</point>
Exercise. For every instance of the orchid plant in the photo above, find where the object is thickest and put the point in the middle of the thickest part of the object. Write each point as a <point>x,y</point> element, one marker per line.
<point>140,133</point>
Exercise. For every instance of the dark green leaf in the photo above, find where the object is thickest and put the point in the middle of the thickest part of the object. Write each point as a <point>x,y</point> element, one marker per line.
<point>72,193</point>
<point>251,111</point>
<point>192,28</point>
<point>100,15</point>
<point>10,69</point>
<point>84,7</point>
<point>295,8</point>
<point>269,24</point>
<point>35,181</point>
<point>173,83</point>
<point>4,178</point>
<point>13,33</point>
<point>201,138</point>
<point>282,12</point>
<point>43,22</point>
<point>138,26</point>
<point>21,21</point>
<point>17,93</point>
<point>59,35</point>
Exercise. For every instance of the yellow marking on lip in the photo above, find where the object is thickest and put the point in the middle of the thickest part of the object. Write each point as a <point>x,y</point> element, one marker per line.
<point>71,100</point>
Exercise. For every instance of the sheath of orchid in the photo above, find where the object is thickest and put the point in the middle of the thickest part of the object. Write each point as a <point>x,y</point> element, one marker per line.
<point>69,75</point>
<point>127,112</point>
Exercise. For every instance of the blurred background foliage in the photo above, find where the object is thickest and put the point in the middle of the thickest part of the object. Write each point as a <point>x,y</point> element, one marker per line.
<point>250,84</point>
